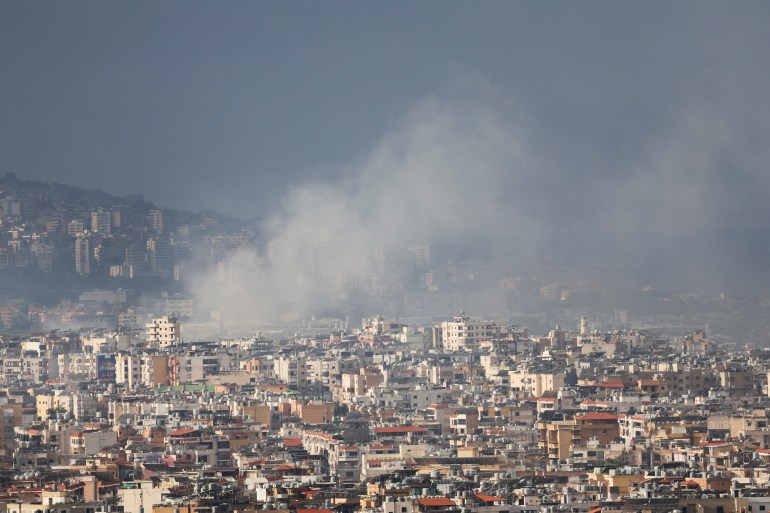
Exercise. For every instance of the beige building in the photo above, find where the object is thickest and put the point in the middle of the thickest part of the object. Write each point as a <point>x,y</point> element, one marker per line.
<point>10,417</point>
<point>148,370</point>
<point>536,382</point>
<point>294,371</point>
<point>88,443</point>
<point>315,413</point>
<point>355,386</point>
<point>463,334</point>
<point>141,495</point>
<point>464,421</point>
<point>558,438</point>
<point>82,255</point>
<point>164,332</point>
<point>185,369</point>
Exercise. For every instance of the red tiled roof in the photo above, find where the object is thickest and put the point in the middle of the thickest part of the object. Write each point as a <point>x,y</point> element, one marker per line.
<point>435,501</point>
<point>314,510</point>
<point>183,432</point>
<point>487,498</point>
<point>292,442</point>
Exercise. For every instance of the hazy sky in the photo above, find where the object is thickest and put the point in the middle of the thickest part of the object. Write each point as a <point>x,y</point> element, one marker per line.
<point>224,104</point>
<point>637,130</point>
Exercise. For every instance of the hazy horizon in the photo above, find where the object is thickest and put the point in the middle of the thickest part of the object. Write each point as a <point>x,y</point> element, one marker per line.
<point>619,136</point>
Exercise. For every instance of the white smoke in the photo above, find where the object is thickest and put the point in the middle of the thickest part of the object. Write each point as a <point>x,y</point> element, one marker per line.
<point>453,175</point>
<point>460,175</point>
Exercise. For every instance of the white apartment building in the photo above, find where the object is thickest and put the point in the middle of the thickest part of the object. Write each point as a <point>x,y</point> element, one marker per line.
<point>463,333</point>
<point>163,332</point>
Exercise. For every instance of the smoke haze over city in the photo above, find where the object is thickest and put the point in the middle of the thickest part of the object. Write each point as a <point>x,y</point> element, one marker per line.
<point>627,138</point>
<point>462,175</point>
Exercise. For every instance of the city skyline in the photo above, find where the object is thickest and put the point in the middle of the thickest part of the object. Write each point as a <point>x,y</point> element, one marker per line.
<point>395,257</point>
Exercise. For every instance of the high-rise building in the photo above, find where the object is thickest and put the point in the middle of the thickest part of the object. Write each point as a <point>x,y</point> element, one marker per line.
<point>116,213</point>
<point>134,261</point>
<point>160,256</point>
<point>43,257</point>
<point>82,255</point>
<point>100,222</point>
<point>155,220</point>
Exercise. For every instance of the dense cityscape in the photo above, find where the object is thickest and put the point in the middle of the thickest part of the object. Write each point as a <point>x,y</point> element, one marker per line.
<point>461,415</point>
<point>113,402</point>
<point>412,256</point>
<point>110,402</point>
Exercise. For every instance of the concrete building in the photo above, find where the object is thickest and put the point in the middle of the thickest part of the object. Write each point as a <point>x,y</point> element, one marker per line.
<point>185,369</point>
<point>294,371</point>
<point>135,370</point>
<point>463,333</point>
<point>75,228</point>
<point>100,222</point>
<point>155,220</point>
<point>82,255</point>
<point>87,443</point>
<point>163,332</point>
